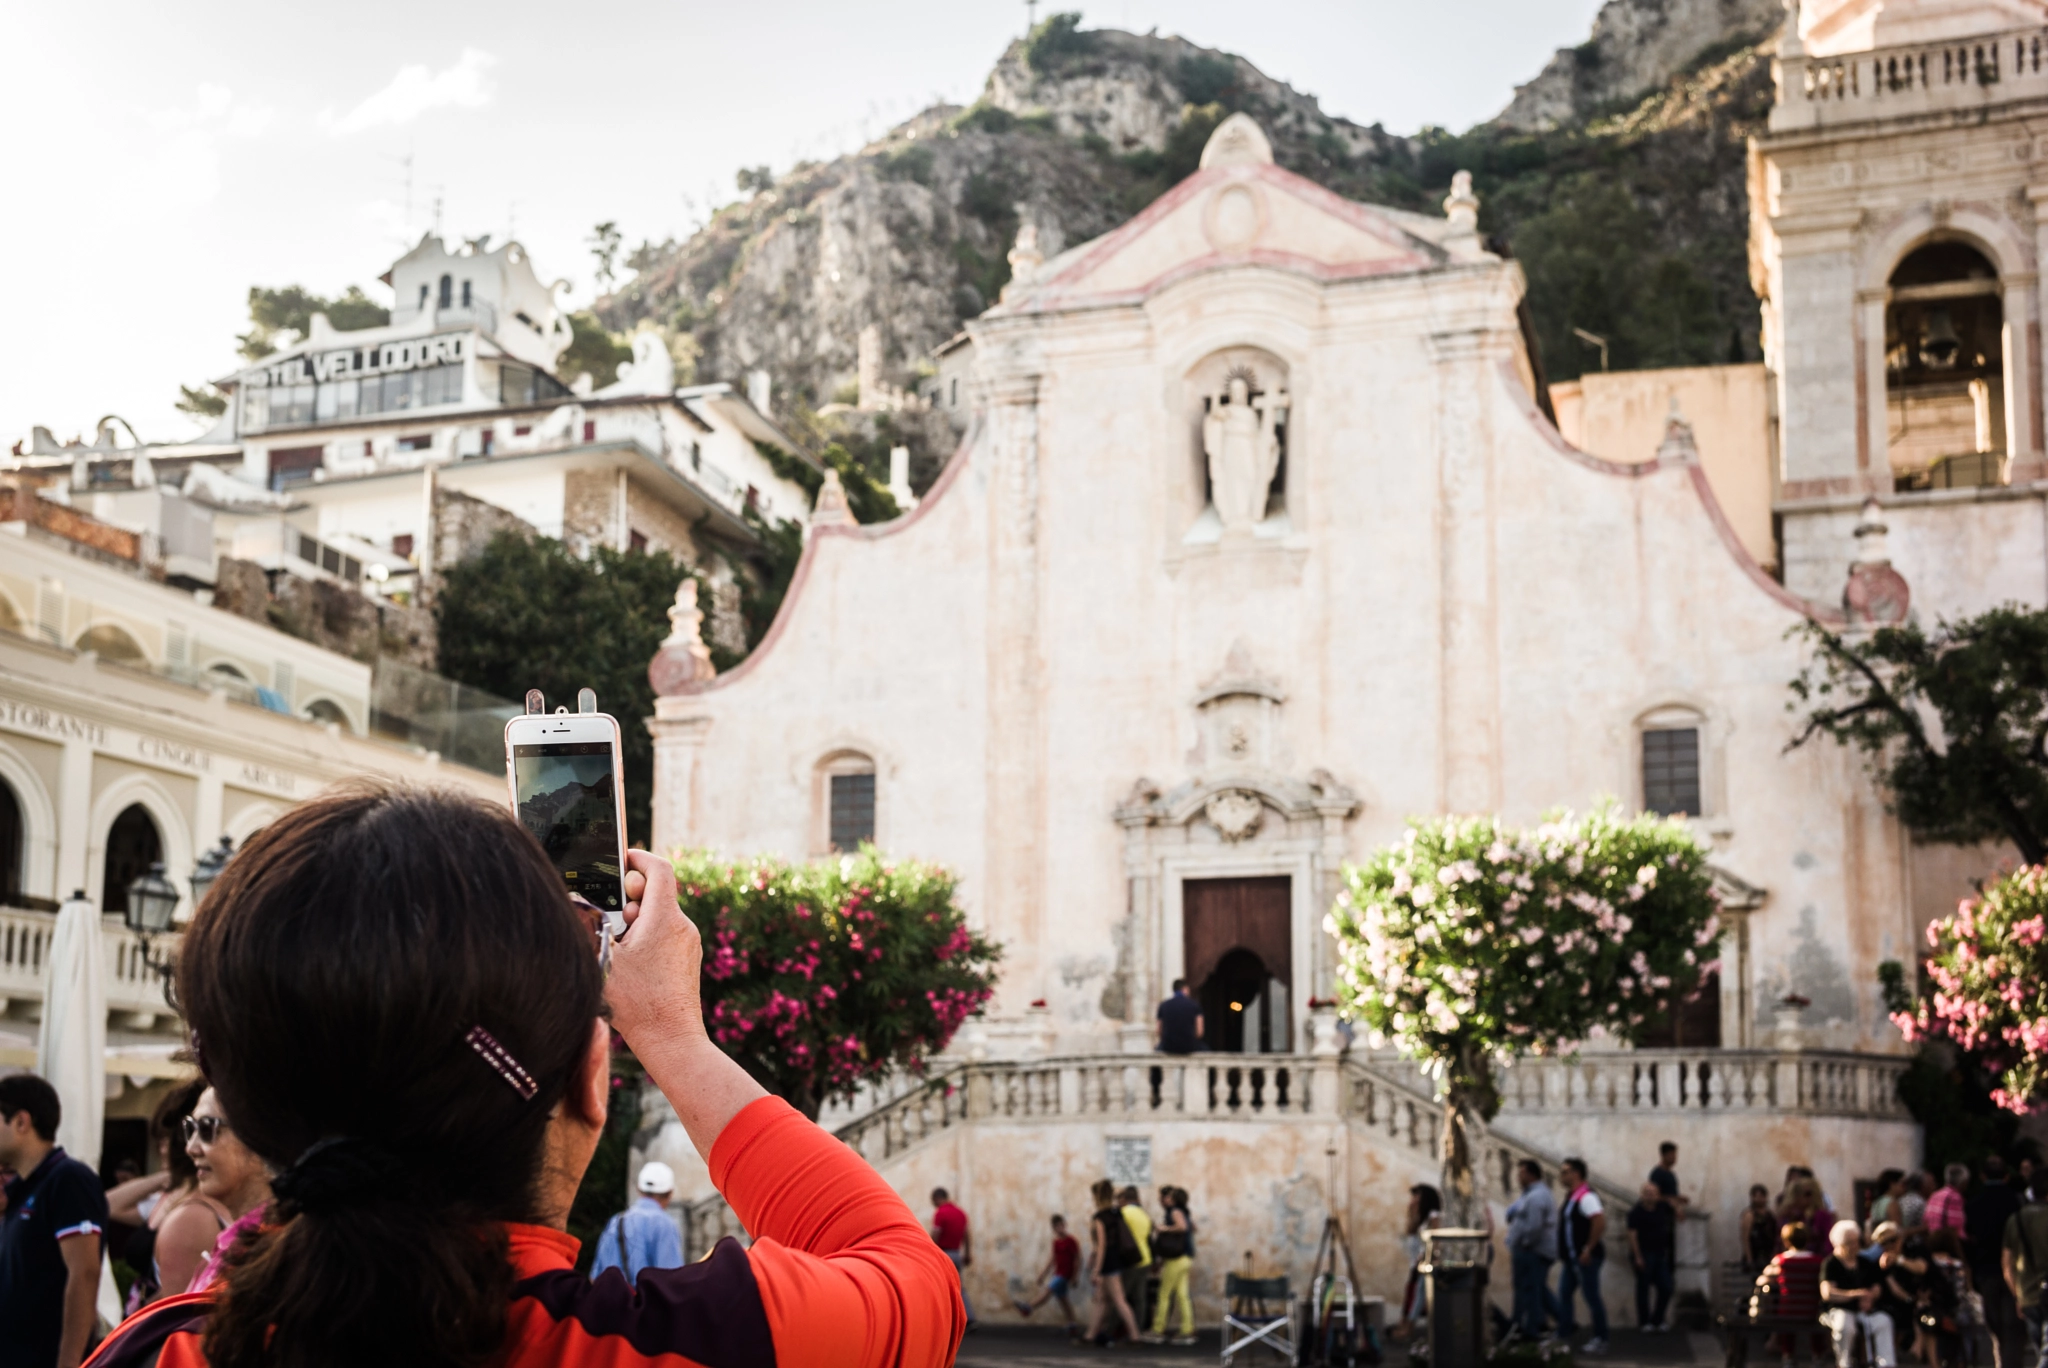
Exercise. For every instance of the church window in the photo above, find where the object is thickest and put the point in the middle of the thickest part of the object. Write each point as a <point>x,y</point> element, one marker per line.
<point>844,802</point>
<point>1671,771</point>
<point>853,810</point>
<point>1945,374</point>
<point>133,845</point>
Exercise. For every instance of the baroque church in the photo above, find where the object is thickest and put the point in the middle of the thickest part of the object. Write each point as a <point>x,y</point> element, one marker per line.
<point>1265,538</point>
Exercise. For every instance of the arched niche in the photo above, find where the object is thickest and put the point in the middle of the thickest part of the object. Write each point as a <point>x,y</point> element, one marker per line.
<point>1236,477</point>
<point>113,643</point>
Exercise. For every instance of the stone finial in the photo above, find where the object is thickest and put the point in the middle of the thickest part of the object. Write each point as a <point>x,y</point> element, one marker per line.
<point>1678,446</point>
<point>683,662</point>
<point>1876,595</point>
<point>831,508</point>
<point>1461,206</point>
<point>1025,258</point>
<point>1237,141</point>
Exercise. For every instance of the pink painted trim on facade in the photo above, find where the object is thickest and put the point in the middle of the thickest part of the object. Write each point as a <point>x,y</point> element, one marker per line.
<point>1694,472</point>
<point>802,575</point>
<point>1359,216</point>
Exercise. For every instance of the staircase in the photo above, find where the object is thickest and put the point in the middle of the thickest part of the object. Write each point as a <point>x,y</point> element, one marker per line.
<point>1383,1099</point>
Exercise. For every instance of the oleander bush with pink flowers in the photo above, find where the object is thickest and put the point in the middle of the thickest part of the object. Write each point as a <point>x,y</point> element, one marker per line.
<point>1987,972</point>
<point>824,975</point>
<point>1470,941</point>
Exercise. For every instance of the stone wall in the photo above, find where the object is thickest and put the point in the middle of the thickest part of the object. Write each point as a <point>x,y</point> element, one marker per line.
<point>664,528</point>
<point>589,509</point>
<point>465,525</point>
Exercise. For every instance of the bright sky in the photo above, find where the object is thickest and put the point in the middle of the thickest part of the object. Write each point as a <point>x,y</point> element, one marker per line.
<point>160,159</point>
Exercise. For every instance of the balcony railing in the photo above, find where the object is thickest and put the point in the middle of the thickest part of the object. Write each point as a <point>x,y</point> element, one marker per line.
<point>1916,78</point>
<point>132,986</point>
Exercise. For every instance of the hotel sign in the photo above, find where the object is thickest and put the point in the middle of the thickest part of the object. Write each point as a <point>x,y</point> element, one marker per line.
<point>344,363</point>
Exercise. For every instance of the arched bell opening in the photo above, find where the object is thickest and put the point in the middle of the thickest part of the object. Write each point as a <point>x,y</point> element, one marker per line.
<point>1945,369</point>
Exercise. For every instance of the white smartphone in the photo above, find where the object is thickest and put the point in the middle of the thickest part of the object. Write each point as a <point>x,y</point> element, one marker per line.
<point>568,789</point>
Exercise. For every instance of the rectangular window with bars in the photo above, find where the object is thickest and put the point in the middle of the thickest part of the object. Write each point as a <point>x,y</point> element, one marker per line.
<point>1671,771</point>
<point>853,810</point>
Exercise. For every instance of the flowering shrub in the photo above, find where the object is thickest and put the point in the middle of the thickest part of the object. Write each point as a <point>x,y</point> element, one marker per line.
<point>1989,972</point>
<point>821,976</point>
<point>1470,941</point>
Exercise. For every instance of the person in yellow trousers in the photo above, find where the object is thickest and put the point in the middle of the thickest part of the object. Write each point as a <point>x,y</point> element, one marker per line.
<point>1173,1247</point>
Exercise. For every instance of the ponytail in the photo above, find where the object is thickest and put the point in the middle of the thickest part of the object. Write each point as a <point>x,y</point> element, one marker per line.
<point>336,978</point>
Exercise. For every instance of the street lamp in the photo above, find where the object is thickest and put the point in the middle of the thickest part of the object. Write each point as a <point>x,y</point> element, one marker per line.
<point>152,901</point>
<point>208,868</point>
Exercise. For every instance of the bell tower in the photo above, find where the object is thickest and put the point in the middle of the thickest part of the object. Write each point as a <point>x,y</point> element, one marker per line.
<point>1896,232</point>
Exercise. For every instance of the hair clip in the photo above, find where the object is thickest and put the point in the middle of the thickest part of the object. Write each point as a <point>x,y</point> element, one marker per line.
<point>500,1058</point>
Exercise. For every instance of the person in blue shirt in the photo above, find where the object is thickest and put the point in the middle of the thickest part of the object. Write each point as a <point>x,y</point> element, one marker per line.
<point>642,1236</point>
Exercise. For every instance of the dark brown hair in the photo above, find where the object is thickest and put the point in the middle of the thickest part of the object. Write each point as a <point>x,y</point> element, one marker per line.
<point>331,978</point>
<point>167,1123</point>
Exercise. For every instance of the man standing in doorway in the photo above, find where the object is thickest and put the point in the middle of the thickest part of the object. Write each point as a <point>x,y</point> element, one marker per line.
<point>50,1236</point>
<point>642,1236</point>
<point>1581,1232</point>
<point>1178,1028</point>
<point>950,1233</point>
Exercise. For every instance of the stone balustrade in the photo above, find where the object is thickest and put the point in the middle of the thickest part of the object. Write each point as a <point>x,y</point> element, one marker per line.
<point>131,985</point>
<point>1917,78</point>
<point>1380,1093</point>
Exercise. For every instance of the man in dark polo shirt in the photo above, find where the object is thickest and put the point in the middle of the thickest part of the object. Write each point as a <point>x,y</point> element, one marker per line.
<point>49,1237</point>
<point>1179,1028</point>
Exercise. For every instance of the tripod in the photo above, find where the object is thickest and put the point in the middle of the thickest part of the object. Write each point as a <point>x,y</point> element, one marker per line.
<point>1324,1339</point>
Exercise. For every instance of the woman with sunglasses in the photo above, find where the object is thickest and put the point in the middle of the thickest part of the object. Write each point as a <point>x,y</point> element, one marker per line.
<point>401,1013</point>
<point>228,1174</point>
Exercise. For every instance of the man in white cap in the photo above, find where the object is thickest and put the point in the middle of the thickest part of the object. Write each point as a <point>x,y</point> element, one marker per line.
<point>642,1236</point>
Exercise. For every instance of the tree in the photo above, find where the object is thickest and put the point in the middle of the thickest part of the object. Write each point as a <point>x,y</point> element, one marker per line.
<point>819,977</point>
<point>753,180</point>
<point>1470,942</point>
<point>1951,722</point>
<point>526,613</point>
<point>605,243</point>
<point>591,351</point>
<point>291,307</point>
<point>1989,971</point>
<point>204,402</point>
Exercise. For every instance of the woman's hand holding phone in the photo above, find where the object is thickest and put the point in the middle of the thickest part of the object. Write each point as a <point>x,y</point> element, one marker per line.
<point>656,1005</point>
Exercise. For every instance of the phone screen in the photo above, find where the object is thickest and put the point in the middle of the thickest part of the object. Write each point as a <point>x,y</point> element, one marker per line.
<point>568,801</point>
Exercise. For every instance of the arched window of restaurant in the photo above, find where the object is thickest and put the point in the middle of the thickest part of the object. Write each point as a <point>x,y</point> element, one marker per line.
<point>1944,370</point>
<point>13,834</point>
<point>133,845</point>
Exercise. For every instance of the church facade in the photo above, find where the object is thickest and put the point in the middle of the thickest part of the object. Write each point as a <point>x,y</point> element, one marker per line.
<point>1263,540</point>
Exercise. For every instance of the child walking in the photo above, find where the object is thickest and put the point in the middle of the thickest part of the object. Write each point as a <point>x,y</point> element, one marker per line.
<point>1057,1276</point>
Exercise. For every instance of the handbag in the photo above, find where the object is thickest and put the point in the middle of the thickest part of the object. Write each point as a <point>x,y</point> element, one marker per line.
<point>1169,1244</point>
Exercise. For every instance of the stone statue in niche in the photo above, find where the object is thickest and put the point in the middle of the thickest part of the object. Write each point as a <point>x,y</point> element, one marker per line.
<point>1241,438</point>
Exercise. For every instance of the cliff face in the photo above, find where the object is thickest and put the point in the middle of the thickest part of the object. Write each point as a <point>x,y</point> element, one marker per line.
<point>1636,47</point>
<point>911,234</point>
<point>1616,176</point>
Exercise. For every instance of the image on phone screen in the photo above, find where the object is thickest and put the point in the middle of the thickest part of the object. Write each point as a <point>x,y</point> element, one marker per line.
<point>567,800</point>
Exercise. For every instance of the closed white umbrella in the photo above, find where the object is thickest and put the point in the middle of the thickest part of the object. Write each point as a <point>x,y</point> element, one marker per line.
<point>72,1052</point>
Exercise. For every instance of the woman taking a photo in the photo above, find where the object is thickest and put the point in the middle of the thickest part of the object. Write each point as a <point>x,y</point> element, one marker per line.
<point>401,1013</point>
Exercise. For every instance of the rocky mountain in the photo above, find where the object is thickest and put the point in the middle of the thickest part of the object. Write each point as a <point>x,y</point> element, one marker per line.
<point>1637,46</point>
<point>1617,176</point>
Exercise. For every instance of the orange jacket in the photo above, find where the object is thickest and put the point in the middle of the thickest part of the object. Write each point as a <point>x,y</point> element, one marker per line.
<point>840,1275</point>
